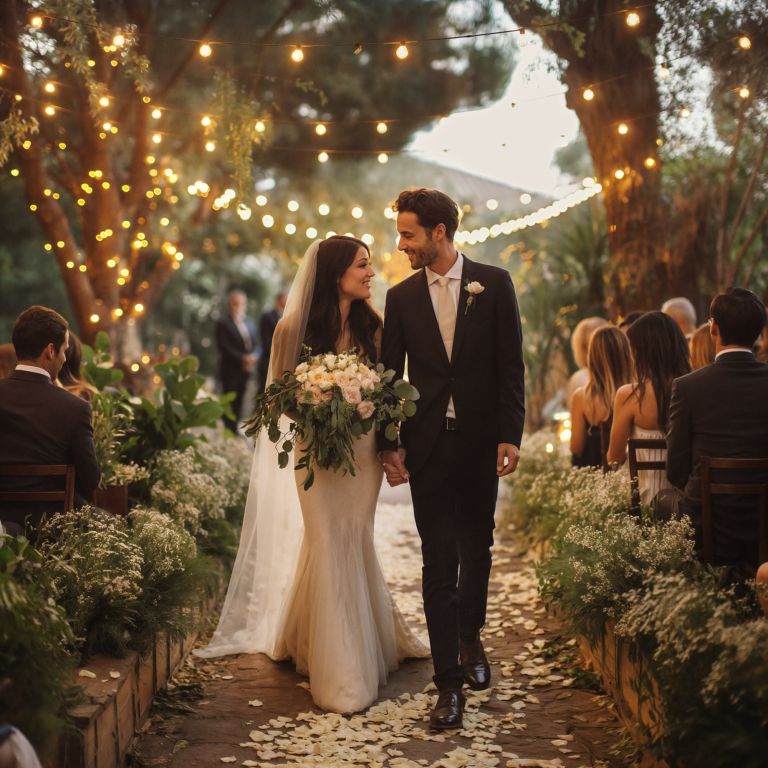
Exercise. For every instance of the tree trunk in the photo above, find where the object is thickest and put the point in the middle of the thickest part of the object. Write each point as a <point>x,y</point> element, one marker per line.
<point>615,61</point>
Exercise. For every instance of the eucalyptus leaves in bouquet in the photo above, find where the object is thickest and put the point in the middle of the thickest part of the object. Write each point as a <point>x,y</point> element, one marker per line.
<point>332,400</point>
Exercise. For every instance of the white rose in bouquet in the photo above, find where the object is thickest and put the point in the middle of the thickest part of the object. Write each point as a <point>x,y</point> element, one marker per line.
<point>302,377</point>
<point>325,385</point>
<point>352,395</point>
<point>351,370</point>
<point>341,379</point>
<point>366,382</point>
<point>302,368</point>
<point>317,376</point>
<point>329,361</point>
<point>366,409</point>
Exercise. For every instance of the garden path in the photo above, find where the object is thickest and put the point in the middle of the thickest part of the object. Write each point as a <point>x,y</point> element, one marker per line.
<point>248,710</point>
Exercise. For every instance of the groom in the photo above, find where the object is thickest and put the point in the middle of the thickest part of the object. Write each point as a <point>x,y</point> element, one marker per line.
<point>458,324</point>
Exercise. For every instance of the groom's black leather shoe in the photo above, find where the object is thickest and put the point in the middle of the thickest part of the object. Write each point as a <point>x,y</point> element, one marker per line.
<point>449,710</point>
<point>477,670</point>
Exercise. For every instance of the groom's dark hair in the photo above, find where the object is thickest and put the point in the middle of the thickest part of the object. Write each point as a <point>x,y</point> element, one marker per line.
<point>431,207</point>
<point>35,329</point>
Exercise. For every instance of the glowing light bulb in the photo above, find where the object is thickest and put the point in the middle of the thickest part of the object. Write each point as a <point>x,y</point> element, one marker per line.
<point>261,200</point>
<point>290,229</point>
<point>139,307</point>
<point>589,94</point>
<point>118,313</point>
<point>107,126</point>
<point>324,210</point>
<point>210,146</point>
<point>260,127</point>
<point>268,221</point>
<point>525,198</point>
<point>118,40</point>
<point>293,206</point>
<point>383,158</point>
<point>37,22</point>
<point>664,71</point>
<point>381,127</point>
<point>649,162</point>
<point>320,130</point>
<point>633,19</point>
<point>623,129</point>
<point>588,181</point>
<point>357,212</point>
<point>298,54</point>
<point>549,448</point>
<point>323,157</point>
<point>744,42</point>
<point>619,174</point>
<point>205,50</point>
<point>367,239</point>
<point>50,110</point>
<point>94,318</point>
<point>522,40</point>
<point>157,138</point>
<point>156,113</point>
<point>744,93</point>
<point>104,101</point>
<point>50,87</point>
<point>402,51</point>
<point>244,212</point>
<point>205,121</point>
<point>311,233</point>
<point>685,112</point>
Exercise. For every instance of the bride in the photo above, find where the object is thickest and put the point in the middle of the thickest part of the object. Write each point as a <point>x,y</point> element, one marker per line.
<point>307,584</point>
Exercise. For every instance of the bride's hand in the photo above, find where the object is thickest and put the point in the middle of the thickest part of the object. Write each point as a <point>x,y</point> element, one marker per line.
<point>394,466</point>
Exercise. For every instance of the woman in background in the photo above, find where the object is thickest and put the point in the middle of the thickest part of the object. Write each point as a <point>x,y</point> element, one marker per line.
<point>642,410</point>
<point>609,365</point>
<point>580,337</point>
<point>70,376</point>
<point>702,347</point>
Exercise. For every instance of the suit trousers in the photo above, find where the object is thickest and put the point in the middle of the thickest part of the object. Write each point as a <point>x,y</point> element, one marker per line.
<point>234,382</point>
<point>454,501</point>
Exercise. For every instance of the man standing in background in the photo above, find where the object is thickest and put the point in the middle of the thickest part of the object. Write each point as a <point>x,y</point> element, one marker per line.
<point>267,326</point>
<point>236,342</point>
<point>682,312</point>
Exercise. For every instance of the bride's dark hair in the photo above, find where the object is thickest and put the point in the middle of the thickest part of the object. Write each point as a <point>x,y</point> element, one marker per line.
<point>334,257</point>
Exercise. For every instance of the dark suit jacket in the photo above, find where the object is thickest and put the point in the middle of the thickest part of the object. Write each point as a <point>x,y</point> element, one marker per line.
<point>267,326</point>
<point>485,375</point>
<point>41,423</point>
<point>720,411</point>
<point>231,346</point>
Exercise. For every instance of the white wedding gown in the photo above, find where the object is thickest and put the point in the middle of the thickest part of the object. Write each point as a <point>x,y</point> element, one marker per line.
<point>340,624</point>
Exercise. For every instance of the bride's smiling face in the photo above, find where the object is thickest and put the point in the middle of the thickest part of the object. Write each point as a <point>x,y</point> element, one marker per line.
<point>355,283</point>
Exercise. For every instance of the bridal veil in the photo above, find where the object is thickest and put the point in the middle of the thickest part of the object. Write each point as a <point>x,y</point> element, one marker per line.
<point>272,526</point>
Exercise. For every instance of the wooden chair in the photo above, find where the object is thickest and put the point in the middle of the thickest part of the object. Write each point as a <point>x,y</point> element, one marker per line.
<point>708,489</point>
<point>67,496</point>
<point>635,466</point>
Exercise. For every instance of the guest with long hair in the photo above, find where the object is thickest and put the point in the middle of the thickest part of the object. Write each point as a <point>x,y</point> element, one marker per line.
<point>609,364</point>
<point>702,347</point>
<point>580,339</point>
<point>641,409</point>
<point>71,376</point>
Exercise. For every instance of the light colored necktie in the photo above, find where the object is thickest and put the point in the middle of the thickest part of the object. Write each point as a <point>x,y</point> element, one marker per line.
<point>446,313</point>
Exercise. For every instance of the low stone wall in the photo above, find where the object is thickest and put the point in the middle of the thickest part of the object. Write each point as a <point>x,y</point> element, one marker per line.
<point>621,674</point>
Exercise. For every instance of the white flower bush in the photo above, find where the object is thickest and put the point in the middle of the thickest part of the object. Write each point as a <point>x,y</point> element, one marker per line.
<point>228,463</point>
<point>165,545</point>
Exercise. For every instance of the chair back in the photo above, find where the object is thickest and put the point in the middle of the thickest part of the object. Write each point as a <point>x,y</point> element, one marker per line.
<point>633,446</point>
<point>66,496</point>
<point>708,489</point>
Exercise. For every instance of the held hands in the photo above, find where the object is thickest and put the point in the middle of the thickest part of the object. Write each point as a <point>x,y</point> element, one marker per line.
<point>394,466</point>
<point>512,455</point>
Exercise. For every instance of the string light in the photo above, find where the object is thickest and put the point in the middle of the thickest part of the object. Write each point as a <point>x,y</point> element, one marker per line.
<point>49,110</point>
<point>522,40</point>
<point>619,174</point>
<point>357,212</point>
<point>649,162</point>
<point>744,92</point>
<point>623,129</point>
<point>664,71</point>
<point>320,130</point>
<point>381,127</point>
<point>205,50</point>
<point>156,113</point>
<point>107,126</point>
<point>118,40</point>
<point>94,318</point>
<point>104,101</point>
<point>15,172</point>
<point>383,158</point>
<point>157,138</point>
<point>685,112</point>
<point>293,205</point>
<point>323,157</point>
<point>290,229</point>
<point>589,94</point>
<point>210,146</point>
<point>139,307</point>
<point>206,121</point>
<point>37,22</point>
<point>525,198</point>
<point>268,221</point>
<point>50,87</point>
<point>358,49</point>
<point>323,210</point>
<point>298,54</point>
<point>311,233</point>
<point>261,200</point>
<point>402,51</point>
<point>633,19</point>
<point>118,313</point>
<point>244,212</point>
<point>260,127</point>
<point>745,43</point>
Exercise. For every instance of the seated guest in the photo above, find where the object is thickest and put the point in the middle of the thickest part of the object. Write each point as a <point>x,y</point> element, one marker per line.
<point>721,411</point>
<point>626,322</point>
<point>762,351</point>
<point>682,312</point>
<point>702,347</point>
<point>41,423</point>
<point>580,337</point>
<point>641,410</point>
<point>609,364</point>
<point>70,376</point>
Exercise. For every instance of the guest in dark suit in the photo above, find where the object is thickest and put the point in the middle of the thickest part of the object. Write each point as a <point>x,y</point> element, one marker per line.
<point>721,411</point>
<point>41,423</point>
<point>267,326</point>
<point>236,342</point>
<point>458,324</point>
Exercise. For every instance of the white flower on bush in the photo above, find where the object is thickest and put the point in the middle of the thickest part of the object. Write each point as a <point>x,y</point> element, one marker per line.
<point>366,409</point>
<point>352,395</point>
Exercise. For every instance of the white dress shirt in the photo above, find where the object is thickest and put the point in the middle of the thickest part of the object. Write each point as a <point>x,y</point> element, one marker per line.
<point>454,274</point>
<point>244,332</point>
<point>33,369</point>
<point>735,349</point>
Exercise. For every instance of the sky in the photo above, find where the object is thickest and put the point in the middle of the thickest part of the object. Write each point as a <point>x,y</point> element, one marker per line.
<point>532,130</point>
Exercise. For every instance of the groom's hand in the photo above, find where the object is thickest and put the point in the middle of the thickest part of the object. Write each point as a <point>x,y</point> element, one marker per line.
<point>512,455</point>
<point>394,466</point>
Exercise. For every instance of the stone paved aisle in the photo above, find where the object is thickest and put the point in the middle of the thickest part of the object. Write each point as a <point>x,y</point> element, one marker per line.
<point>248,710</point>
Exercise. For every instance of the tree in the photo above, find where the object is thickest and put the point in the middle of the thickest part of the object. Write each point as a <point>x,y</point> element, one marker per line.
<point>103,151</point>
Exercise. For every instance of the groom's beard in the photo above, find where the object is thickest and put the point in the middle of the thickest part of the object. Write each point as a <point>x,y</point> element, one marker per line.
<point>425,256</point>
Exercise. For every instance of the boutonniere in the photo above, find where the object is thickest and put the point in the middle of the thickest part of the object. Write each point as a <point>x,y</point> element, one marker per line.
<point>474,289</point>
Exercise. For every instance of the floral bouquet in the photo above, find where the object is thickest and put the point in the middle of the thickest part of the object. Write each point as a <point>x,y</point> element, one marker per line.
<point>331,400</point>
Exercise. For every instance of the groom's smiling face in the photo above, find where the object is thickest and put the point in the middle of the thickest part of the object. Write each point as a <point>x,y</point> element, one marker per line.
<point>415,241</point>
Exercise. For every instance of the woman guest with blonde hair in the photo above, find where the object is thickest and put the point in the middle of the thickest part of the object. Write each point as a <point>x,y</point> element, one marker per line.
<point>641,410</point>
<point>702,347</point>
<point>609,365</point>
<point>580,337</point>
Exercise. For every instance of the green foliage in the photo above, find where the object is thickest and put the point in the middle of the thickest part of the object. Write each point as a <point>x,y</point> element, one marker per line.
<point>98,365</point>
<point>35,668</point>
